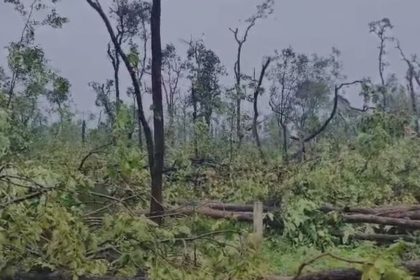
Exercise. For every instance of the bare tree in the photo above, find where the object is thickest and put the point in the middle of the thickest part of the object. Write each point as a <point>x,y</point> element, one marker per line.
<point>263,10</point>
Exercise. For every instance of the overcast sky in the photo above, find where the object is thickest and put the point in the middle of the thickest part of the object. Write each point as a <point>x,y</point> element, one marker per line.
<point>78,51</point>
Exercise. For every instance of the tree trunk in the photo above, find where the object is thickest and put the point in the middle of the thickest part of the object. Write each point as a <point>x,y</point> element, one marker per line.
<point>194,118</point>
<point>255,119</point>
<point>238,120</point>
<point>83,131</point>
<point>156,204</point>
<point>285,148</point>
<point>410,77</point>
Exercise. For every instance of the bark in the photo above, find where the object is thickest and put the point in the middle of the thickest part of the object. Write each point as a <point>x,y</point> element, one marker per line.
<point>255,106</point>
<point>156,204</point>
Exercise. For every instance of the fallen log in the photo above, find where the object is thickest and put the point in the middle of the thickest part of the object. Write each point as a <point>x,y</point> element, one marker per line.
<point>209,212</point>
<point>381,238</point>
<point>410,211</point>
<point>62,276</point>
<point>219,214</point>
<point>372,219</point>
<point>343,274</point>
<point>413,267</point>
<point>236,207</point>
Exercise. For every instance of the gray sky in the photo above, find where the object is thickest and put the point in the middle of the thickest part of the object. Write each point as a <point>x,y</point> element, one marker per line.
<point>78,50</point>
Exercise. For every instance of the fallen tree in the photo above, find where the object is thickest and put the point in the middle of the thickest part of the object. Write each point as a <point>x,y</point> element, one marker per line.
<point>413,267</point>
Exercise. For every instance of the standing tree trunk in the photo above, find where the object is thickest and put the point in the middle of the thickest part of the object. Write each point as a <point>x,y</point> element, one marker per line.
<point>83,131</point>
<point>156,204</point>
<point>284,137</point>
<point>115,61</point>
<point>411,77</point>
<point>255,105</point>
<point>194,118</point>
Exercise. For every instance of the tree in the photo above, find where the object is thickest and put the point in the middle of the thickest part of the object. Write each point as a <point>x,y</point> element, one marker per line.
<point>263,10</point>
<point>155,141</point>
<point>285,77</point>
<point>411,76</point>
<point>103,99</point>
<point>173,69</point>
<point>381,28</point>
<point>205,70</point>
<point>23,52</point>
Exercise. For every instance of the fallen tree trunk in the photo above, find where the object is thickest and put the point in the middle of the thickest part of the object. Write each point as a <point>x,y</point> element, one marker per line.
<point>344,274</point>
<point>236,207</point>
<point>381,238</point>
<point>219,214</point>
<point>209,212</point>
<point>372,219</point>
<point>412,267</point>
<point>62,276</point>
<point>389,211</point>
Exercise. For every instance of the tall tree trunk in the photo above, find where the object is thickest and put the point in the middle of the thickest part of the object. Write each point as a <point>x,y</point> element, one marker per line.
<point>238,119</point>
<point>115,61</point>
<point>156,204</point>
<point>410,77</point>
<point>83,131</point>
<point>194,117</point>
<point>255,106</point>
<point>284,146</point>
